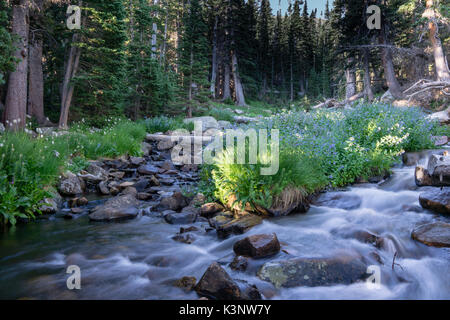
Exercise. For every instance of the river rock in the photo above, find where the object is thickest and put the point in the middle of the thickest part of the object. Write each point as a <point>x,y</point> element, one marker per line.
<point>238,225</point>
<point>71,185</point>
<point>147,169</point>
<point>130,190</point>
<point>209,209</point>
<point>440,140</point>
<point>208,122</point>
<point>165,144</point>
<point>341,200</point>
<point>97,171</point>
<point>439,168</point>
<point>137,161</point>
<point>239,263</point>
<point>198,200</point>
<point>221,219</point>
<point>186,283</point>
<point>435,234</point>
<point>313,272</point>
<point>437,200</point>
<point>49,206</point>
<point>422,178</point>
<point>184,238</point>
<point>217,284</point>
<point>103,188</point>
<point>146,148</point>
<point>175,202</point>
<point>115,209</point>
<point>258,246</point>
<point>180,218</point>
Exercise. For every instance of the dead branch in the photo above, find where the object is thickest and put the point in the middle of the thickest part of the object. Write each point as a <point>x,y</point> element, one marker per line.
<point>424,85</point>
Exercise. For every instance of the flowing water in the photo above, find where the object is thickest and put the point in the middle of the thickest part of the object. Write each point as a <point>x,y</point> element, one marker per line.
<point>138,259</point>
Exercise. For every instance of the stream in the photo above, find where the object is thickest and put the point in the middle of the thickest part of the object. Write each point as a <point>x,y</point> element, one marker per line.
<point>138,259</point>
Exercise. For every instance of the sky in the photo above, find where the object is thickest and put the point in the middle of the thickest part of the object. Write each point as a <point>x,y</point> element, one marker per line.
<point>319,4</point>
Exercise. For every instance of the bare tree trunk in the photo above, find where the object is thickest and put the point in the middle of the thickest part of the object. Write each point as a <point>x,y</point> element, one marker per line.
<point>189,107</point>
<point>367,81</point>
<point>16,97</point>
<point>239,90</point>
<point>440,61</point>
<point>350,76</point>
<point>214,60</point>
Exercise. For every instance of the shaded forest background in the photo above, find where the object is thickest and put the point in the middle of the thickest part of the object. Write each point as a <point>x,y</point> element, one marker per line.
<point>140,58</point>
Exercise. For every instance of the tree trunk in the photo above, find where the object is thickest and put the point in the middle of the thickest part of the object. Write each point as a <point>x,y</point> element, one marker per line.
<point>226,81</point>
<point>440,61</point>
<point>350,76</point>
<point>291,78</point>
<point>367,81</point>
<point>389,70</point>
<point>239,90</point>
<point>36,82</point>
<point>214,61</point>
<point>191,63</point>
<point>67,89</point>
<point>16,97</point>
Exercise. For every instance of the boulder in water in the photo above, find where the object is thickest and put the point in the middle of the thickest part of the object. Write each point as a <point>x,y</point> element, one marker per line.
<point>239,263</point>
<point>433,234</point>
<point>439,168</point>
<point>217,284</point>
<point>258,246</point>
<point>186,283</point>
<point>209,209</point>
<point>238,225</point>
<point>175,202</point>
<point>71,185</point>
<point>437,200</point>
<point>115,209</point>
<point>313,272</point>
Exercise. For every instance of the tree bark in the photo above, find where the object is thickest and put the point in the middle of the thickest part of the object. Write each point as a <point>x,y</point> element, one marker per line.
<point>367,81</point>
<point>350,76</point>
<point>36,82</point>
<point>440,61</point>
<point>214,60</point>
<point>238,89</point>
<point>389,70</point>
<point>16,97</point>
<point>226,81</point>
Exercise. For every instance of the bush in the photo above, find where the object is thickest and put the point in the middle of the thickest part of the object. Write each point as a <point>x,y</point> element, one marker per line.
<point>324,148</point>
<point>164,124</point>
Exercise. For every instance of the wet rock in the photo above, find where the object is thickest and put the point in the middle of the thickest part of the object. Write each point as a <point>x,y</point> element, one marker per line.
<point>117,175</point>
<point>137,161</point>
<point>130,190</point>
<point>313,272</point>
<point>198,200</point>
<point>189,167</point>
<point>250,292</point>
<point>103,188</point>
<point>341,200</point>
<point>153,181</point>
<point>364,236</point>
<point>184,238</point>
<point>71,185</point>
<point>144,196</point>
<point>422,178</point>
<point>188,229</point>
<point>439,168</point>
<point>412,208</point>
<point>180,218</point>
<point>437,200</point>
<point>115,209</point>
<point>174,202</point>
<point>186,283</point>
<point>209,209</point>
<point>258,246</point>
<point>146,148</point>
<point>125,184</point>
<point>168,165</point>
<point>77,210</point>
<point>97,171</point>
<point>147,169</point>
<point>239,263</point>
<point>411,158</point>
<point>440,140</point>
<point>141,185</point>
<point>217,284</point>
<point>239,225</point>
<point>435,234</point>
<point>49,206</point>
<point>220,220</point>
<point>165,144</point>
